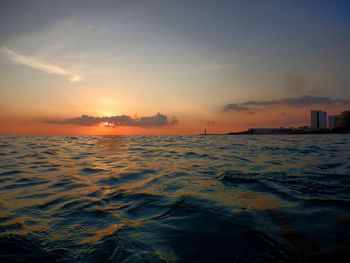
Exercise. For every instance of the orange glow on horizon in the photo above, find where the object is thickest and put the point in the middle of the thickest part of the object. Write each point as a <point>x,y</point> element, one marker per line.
<point>220,124</point>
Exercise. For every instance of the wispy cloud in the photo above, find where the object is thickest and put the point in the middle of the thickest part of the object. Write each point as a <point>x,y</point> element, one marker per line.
<point>114,121</point>
<point>38,64</point>
<point>302,101</point>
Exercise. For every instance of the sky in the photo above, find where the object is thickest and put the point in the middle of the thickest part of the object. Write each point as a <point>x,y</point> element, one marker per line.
<point>170,67</point>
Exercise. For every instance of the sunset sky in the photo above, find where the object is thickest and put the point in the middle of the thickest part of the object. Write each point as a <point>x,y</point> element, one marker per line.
<point>170,67</point>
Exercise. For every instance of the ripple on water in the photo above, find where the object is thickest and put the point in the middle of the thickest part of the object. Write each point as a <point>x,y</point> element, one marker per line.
<point>174,198</point>
<point>92,170</point>
<point>12,172</point>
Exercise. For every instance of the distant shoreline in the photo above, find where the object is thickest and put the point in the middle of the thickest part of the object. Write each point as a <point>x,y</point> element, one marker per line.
<point>279,133</point>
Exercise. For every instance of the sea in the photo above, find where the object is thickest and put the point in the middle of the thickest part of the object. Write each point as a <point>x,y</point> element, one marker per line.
<point>224,198</point>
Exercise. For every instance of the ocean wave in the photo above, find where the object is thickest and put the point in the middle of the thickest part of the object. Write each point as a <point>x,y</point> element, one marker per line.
<point>174,198</point>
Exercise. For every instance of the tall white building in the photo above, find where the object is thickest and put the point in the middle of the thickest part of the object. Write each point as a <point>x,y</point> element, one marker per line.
<point>332,121</point>
<point>318,119</point>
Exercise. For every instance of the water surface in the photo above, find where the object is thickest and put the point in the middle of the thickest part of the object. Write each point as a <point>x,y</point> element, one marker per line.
<point>269,198</point>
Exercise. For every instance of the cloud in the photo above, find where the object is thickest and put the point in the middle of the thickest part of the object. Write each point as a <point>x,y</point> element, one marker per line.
<point>122,120</point>
<point>174,121</point>
<point>157,120</point>
<point>299,101</point>
<point>38,64</point>
<point>235,107</point>
<point>302,101</point>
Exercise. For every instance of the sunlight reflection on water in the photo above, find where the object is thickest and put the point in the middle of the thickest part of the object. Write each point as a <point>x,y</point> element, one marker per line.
<point>174,198</point>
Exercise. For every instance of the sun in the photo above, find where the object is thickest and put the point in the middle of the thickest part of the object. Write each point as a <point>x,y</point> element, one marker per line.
<point>108,124</point>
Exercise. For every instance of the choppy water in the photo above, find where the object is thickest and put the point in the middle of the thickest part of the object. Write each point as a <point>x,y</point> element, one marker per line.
<point>175,198</point>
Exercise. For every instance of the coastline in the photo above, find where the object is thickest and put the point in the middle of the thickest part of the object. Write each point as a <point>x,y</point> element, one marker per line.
<point>279,133</point>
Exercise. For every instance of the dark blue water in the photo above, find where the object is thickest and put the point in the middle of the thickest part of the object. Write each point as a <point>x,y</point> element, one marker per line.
<point>175,198</point>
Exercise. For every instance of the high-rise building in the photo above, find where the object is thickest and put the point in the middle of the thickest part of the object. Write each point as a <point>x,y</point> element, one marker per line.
<point>344,121</point>
<point>318,119</point>
<point>332,121</point>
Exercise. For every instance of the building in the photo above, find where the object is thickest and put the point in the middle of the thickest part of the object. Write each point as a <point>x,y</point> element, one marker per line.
<point>343,123</point>
<point>333,121</point>
<point>318,119</point>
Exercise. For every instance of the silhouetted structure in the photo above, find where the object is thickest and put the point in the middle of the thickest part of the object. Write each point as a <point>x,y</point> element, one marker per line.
<point>344,121</point>
<point>318,119</point>
<point>333,121</point>
<point>337,124</point>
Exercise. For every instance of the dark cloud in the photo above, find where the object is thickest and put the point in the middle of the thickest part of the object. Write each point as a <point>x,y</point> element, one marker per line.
<point>174,121</point>
<point>119,120</point>
<point>260,103</point>
<point>235,107</point>
<point>122,120</point>
<point>157,120</point>
<point>248,106</point>
<point>311,100</point>
<point>299,101</point>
